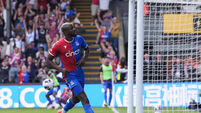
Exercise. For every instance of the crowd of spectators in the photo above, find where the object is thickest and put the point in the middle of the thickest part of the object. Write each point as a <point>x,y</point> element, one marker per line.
<point>173,68</point>
<point>35,27</point>
<point>108,28</point>
<point>107,37</point>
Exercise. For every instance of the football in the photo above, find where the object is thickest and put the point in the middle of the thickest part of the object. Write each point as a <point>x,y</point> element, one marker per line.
<point>48,84</point>
<point>157,109</point>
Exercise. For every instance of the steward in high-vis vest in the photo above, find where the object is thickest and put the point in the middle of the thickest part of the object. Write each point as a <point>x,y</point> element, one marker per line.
<point>106,75</point>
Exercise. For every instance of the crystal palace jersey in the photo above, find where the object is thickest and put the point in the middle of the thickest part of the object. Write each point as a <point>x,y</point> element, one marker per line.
<point>69,51</point>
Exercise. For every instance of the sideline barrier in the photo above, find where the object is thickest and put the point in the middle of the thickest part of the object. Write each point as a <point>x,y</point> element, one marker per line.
<point>165,94</point>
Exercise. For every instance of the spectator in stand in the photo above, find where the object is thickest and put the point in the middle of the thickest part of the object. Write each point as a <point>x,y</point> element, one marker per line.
<point>190,68</point>
<point>3,48</point>
<point>41,58</point>
<point>76,19</point>
<point>4,71</point>
<point>42,4</point>
<point>177,69</point>
<point>52,15</point>
<point>115,34</point>
<point>2,25</point>
<point>30,51</point>
<point>19,16</point>
<point>147,67</point>
<point>8,47</point>
<point>104,7</point>
<point>41,36</point>
<point>42,18</point>
<point>15,61</point>
<point>103,34</point>
<point>32,69</point>
<point>30,34</point>
<point>23,75</point>
<point>79,27</point>
<point>63,4</point>
<point>146,9</point>
<point>159,68</point>
<point>53,34</point>
<point>20,20</point>
<point>41,50</point>
<point>122,71</point>
<point>19,30</point>
<point>69,13</point>
<point>19,43</point>
<point>41,73</point>
<point>53,4</point>
<point>108,51</point>
<point>94,10</point>
<point>106,21</point>
<point>30,12</point>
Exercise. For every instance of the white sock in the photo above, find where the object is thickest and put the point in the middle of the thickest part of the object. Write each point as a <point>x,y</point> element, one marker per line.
<point>63,111</point>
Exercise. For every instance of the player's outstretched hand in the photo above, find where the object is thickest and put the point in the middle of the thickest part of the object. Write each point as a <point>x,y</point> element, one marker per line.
<point>81,62</point>
<point>65,71</point>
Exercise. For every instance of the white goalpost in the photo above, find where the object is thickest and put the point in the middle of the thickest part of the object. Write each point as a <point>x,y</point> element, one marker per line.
<point>168,56</point>
<point>131,26</point>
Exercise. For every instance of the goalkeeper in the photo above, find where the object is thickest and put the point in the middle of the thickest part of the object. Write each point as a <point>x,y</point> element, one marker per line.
<point>54,91</point>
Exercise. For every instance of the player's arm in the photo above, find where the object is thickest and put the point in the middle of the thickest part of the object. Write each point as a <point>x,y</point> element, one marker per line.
<point>86,53</point>
<point>101,75</point>
<point>84,57</point>
<point>51,64</point>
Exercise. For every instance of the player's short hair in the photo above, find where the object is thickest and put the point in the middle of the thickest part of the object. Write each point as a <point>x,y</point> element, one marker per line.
<point>64,26</point>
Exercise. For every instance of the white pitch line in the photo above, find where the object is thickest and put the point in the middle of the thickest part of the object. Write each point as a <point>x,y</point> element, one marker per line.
<point>114,110</point>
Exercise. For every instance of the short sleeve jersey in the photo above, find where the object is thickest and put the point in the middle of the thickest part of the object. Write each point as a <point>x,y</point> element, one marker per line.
<point>69,51</point>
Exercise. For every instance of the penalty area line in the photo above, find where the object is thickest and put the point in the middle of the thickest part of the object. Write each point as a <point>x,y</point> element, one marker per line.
<point>114,110</point>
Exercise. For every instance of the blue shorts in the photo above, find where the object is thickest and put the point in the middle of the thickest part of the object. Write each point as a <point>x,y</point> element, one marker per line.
<point>54,90</point>
<point>107,84</point>
<point>75,86</point>
<point>75,81</point>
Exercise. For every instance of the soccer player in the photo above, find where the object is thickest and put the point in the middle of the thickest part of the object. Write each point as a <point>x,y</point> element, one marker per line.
<point>106,75</point>
<point>54,91</point>
<point>69,51</point>
<point>65,96</point>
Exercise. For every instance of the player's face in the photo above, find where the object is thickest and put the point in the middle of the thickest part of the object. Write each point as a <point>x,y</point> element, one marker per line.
<point>72,31</point>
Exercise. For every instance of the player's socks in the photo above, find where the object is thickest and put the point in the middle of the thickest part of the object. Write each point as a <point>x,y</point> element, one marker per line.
<point>105,95</point>
<point>62,111</point>
<point>49,100</point>
<point>69,105</point>
<point>88,109</point>
<point>110,97</point>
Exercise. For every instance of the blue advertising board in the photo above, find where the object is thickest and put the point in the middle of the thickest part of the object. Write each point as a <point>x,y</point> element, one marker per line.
<point>164,94</point>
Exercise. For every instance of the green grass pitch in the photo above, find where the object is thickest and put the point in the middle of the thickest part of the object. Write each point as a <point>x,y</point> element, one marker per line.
<point>96,110</point>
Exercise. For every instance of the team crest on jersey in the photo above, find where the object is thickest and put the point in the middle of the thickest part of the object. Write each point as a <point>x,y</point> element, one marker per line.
<point>72,83</point>
<point>76,43</point>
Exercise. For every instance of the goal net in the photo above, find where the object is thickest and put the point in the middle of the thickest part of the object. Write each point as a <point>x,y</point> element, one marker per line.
<point>172,56</point>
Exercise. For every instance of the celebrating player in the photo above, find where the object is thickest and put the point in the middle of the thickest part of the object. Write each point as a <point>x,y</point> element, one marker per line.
<point>54,91</point>
<point>69,51</point>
